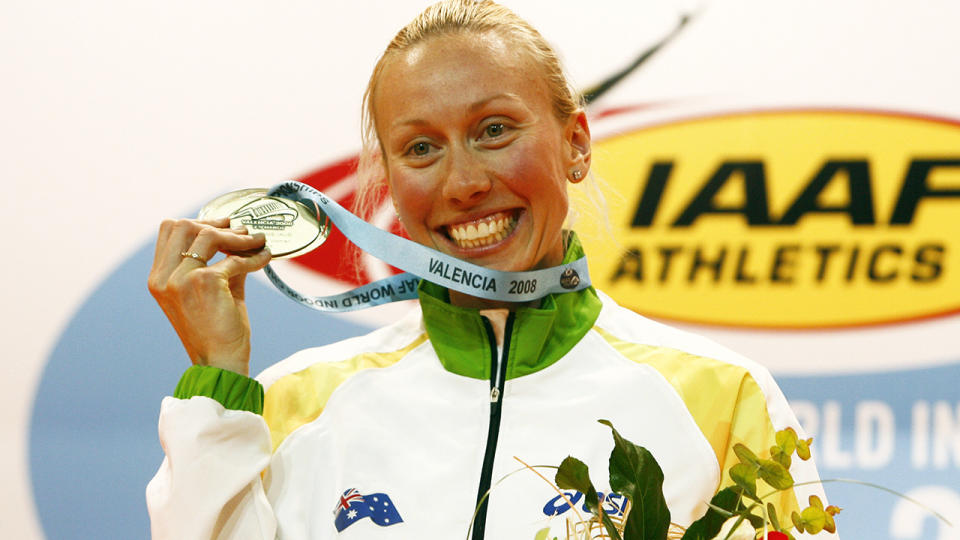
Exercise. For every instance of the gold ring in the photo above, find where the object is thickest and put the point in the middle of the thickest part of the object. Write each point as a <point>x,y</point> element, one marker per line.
<point>193,255</point>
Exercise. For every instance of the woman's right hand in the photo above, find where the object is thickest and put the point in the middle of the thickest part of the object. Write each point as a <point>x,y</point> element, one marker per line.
<point>205,304</point>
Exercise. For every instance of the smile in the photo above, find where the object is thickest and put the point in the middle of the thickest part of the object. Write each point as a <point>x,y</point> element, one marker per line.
<point>483,232</point>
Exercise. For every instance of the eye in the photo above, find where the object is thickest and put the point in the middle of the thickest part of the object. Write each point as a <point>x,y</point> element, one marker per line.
<point>494,130</point>
<point>419,148</point>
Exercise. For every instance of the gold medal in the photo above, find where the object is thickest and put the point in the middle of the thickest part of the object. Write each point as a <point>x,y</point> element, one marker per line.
<point>291,228</point>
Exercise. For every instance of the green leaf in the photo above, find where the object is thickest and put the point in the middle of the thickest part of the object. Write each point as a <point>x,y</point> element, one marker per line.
<point>772,514</point>
<point>755,521</point>
<point>574,474</point>
<point>787,440</point>
<point>797,521</point>
<point>830,526</point>
<point>709,525</point>
<point>745,454</point>
<point>814,519</point>
<point>803,449</point>
<point>635,474</point>
<point>542,534</point>
<point>745,476</point>
<point>775,474</point>
<point>781,457</point>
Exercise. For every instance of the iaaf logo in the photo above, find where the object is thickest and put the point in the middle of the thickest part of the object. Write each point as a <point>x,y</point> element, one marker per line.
<point>784,218</point>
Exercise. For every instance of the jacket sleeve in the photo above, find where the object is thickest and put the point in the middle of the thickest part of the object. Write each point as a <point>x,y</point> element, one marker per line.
<point>216,445</point>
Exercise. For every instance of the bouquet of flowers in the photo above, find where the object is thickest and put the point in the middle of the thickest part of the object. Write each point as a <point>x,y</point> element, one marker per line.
<point>735,513</point>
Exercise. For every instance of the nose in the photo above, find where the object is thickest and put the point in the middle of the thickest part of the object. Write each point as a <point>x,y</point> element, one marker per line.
<point>466,181</point>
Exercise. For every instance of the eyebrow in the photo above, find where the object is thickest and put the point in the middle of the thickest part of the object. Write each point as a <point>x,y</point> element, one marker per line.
<point>484,102</point>
<point>474,107</point>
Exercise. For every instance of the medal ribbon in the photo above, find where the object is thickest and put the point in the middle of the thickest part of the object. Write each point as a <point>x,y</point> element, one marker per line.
<point>419,261</point>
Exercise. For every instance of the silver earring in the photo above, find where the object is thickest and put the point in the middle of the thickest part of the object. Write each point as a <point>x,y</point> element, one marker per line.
<point>577,174</point>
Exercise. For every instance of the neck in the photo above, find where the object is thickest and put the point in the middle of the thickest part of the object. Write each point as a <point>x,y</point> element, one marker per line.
<point>498,322</point>
<point>460,299</point>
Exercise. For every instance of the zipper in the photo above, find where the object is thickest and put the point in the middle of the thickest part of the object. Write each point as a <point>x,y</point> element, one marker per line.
<point>498,376</point>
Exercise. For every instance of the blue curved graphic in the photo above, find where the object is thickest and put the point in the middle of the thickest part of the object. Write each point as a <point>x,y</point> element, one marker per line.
<point>93,432</point>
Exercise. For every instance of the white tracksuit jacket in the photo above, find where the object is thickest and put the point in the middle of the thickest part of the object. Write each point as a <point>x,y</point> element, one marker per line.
<point>393,435</point>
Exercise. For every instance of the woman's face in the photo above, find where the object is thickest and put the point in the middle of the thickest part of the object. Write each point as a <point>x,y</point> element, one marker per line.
<point>477,161</point>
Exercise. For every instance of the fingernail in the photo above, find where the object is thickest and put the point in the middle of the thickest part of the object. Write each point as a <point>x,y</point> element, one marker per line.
<point>240,229</point>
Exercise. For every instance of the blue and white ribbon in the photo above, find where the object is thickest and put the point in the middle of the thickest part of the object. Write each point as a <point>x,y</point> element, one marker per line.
<point>419,261</point>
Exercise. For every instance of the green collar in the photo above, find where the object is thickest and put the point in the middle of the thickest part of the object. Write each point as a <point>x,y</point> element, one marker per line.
<point>540,336</point>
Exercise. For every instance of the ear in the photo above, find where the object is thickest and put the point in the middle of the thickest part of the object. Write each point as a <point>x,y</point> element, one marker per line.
<point>577,137</point>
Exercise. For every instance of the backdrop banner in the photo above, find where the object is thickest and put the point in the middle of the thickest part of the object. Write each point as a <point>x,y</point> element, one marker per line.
<point>782,177</point>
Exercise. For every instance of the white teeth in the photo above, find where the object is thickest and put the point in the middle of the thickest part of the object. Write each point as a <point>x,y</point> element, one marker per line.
<point>482,233</point>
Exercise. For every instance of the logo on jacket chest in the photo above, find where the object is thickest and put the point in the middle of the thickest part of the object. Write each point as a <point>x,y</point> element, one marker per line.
<point>613,504</point>
<point>353,506</point>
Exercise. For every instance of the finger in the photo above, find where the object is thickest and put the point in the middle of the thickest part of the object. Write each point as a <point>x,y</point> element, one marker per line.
<point>211,240</point>
<point>175,238</point>
<point>219,223</point>
<point>163,238</point>
<point>233,266</point>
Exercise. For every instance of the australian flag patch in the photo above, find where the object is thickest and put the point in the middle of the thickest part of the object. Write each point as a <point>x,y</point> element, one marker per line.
<point>352,507</point>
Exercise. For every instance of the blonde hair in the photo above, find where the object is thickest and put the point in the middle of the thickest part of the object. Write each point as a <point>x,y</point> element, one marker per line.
<point>445,18</point>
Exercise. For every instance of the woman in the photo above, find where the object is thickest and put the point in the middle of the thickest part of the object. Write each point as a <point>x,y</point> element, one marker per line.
<point>400,433</point>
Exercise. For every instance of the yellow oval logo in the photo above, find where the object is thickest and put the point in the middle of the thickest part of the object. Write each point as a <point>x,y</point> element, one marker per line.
<point>786,219</point>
